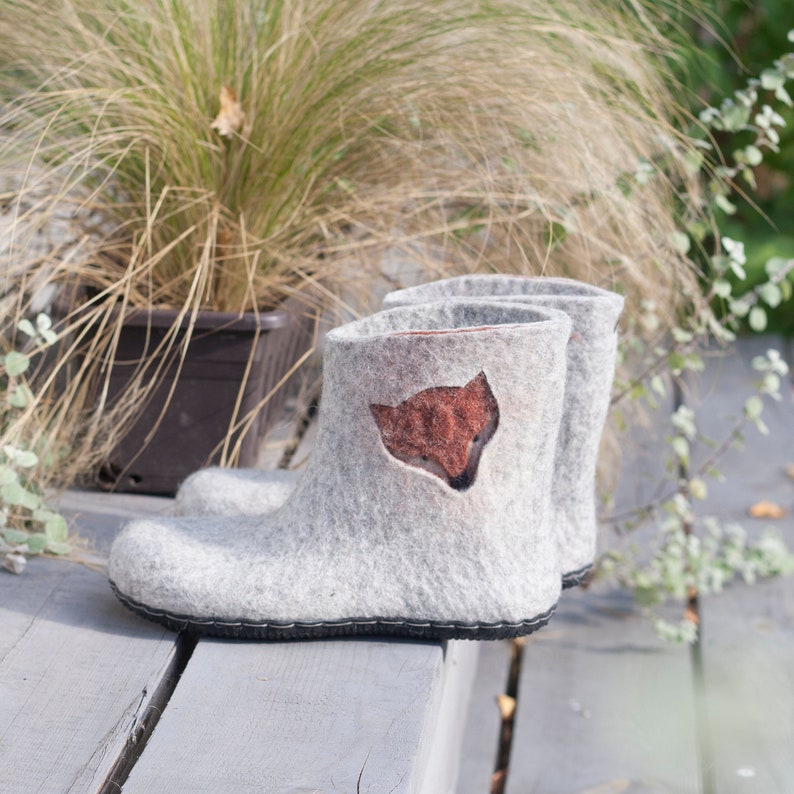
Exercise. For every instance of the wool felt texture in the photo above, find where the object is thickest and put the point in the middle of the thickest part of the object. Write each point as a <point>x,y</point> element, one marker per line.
<point>591,366</point>
<point>368,543</point>
<point>592,349</point>
<point>229,492</point>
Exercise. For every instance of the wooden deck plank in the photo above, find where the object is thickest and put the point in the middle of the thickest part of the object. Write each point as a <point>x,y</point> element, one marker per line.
<point>748,661</point>
<point>748,632</point>
<point>77,674</point>
<point>441,748</point>
<point>320,716</point>
<point>22,597</point>
<point>603,705</point>
<point>483,720</point>
<point>280,437</point>
<point>97,516</point>
<point>641,467</point>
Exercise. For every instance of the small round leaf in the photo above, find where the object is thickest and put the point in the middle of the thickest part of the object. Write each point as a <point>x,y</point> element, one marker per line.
<point>757,319</point>
<point>15,362</point>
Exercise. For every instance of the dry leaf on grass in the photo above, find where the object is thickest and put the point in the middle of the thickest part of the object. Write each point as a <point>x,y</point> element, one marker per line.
<point>765,509</point>
<point>230,116</point>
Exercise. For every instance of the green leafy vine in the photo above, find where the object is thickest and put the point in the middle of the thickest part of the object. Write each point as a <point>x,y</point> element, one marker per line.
<point>693,555</point>
<point>28,526</point>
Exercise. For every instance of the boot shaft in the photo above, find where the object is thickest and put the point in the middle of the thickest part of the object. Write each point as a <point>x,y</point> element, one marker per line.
<point>401,357</point>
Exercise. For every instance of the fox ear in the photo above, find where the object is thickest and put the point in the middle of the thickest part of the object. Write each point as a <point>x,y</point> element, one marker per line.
<point>479,385</point>
<point>478,381</point>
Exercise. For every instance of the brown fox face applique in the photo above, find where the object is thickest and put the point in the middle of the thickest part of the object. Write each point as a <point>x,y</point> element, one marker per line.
<point>442,430</point>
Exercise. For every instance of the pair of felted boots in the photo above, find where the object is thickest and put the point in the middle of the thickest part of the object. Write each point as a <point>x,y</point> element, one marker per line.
<point>450,493</point>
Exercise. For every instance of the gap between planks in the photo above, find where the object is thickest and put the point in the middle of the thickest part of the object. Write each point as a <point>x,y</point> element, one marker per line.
<point>151,710</point>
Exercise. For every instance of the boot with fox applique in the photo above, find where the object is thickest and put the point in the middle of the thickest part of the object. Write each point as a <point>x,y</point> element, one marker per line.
<point>424,510</point>
<point>592,349</point>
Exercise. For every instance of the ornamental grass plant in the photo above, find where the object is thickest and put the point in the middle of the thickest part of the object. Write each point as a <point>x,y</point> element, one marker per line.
<point>179,154</point>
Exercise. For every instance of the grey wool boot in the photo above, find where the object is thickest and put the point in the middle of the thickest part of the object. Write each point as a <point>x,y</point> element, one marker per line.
<point>592,349</point>
<point>591,365</point>
<point>423,512</point>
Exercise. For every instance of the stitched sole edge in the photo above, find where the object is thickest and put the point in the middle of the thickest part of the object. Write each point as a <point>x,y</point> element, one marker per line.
<point>575,578</point>
<point>276,630</point>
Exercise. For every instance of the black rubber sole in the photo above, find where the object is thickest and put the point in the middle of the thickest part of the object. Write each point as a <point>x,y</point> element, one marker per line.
<point>391,627</point>
<point>575,578</point>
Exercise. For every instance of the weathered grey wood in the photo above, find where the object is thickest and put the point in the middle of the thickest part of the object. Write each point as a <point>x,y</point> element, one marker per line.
<point>97,516</point>
<point>77,673</point>
<point>88,504</point>
<point>641,480</point>
<point>755,471</point>
<point>280,437</point>
<point>441,746</point>
<point>748,632</point>
<point>641,465</point>
<point>483,720</point>
<point>603,705</point>
<point>22,597</point>
<point>324,716</point>
<point>748,661</point>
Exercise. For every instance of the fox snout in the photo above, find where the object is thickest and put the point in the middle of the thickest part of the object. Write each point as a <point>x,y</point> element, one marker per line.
<point>461,482</point>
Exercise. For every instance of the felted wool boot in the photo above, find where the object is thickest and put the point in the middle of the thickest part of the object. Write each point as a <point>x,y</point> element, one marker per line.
<point>424,510</point>
<point>594,314</point>
<point>591,366</point>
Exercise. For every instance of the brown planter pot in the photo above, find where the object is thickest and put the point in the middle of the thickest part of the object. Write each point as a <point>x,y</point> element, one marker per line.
<point>201,408</point>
